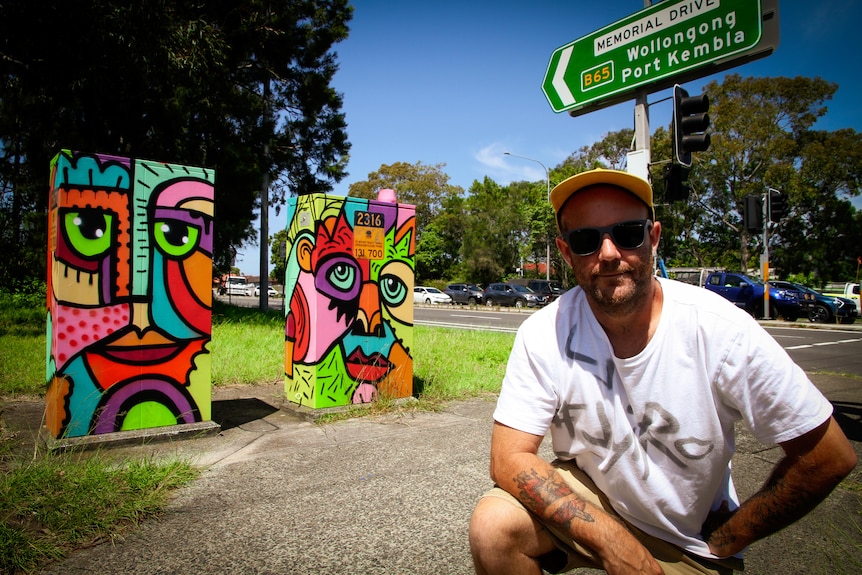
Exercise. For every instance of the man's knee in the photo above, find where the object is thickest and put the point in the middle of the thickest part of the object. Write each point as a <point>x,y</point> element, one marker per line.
<point>495,523</point>
<point>504,537</point>
<point>500,523</point>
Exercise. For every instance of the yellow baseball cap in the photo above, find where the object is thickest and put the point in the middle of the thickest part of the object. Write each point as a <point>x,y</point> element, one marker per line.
<point>637,186</point>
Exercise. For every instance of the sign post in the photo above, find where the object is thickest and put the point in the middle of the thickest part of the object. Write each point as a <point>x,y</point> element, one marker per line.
<point>656,47</point>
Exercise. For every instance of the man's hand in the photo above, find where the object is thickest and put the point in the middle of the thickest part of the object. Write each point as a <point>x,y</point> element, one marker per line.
<point>716,519</point>
<point>813,465</point>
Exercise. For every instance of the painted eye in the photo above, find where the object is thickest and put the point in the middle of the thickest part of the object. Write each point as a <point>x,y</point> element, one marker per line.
<point>175,238</point>
<point>393,289</point>
<point>338,278</point>
<point>89,230</point>
<point>342,276</point>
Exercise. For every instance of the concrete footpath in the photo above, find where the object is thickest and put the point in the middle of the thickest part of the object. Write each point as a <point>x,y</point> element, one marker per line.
<point>390,495</point>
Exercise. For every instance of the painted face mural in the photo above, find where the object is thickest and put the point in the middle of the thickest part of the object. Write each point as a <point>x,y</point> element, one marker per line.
<point>129,294</point>
<point>349,286</point>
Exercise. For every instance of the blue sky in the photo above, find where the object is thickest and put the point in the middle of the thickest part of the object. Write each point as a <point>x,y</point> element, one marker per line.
<point>458,82</point>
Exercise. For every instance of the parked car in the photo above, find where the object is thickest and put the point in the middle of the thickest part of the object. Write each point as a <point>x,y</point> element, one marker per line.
<point>747,292</point>
<point>236,285</point>
<point>822,308</point>
<point>512,295</point>
<point>549,289</point>
<point>465,293</point>
<point>270,291</point>
<point>429,295</point>
<point>846,290</point>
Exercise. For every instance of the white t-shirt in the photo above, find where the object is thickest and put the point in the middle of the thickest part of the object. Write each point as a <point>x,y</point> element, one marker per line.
<point>655,431</point>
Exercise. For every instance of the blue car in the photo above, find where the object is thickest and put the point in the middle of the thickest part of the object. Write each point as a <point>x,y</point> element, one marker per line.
<point>747,293</point>
<point>822,308</point>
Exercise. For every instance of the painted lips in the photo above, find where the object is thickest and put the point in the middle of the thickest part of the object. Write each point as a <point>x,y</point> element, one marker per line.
<point>150,346</point>
<point>367,368</point>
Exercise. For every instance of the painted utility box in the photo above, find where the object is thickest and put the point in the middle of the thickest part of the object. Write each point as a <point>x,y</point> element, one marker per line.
<point>129,303</point>
<point>348,290</point>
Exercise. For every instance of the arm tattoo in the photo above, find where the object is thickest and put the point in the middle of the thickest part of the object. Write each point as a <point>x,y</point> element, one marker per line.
<point>540,493</point>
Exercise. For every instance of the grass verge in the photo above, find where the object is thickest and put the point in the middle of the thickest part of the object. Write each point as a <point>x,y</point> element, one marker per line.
<point>62,502</point>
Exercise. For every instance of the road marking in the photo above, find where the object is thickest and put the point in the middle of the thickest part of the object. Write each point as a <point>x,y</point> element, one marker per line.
<point>476,316</point>
<point>810,345</point>
<point>466,326</point>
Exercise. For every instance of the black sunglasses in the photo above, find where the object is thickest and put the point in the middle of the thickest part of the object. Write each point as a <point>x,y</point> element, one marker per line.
<point>626,235</point>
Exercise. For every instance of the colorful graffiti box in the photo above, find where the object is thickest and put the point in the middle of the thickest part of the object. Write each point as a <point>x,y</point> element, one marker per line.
<point>349,277</point>
<point>129,306</point>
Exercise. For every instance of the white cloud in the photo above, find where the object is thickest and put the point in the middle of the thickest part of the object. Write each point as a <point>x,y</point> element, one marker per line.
<point>505,169</point>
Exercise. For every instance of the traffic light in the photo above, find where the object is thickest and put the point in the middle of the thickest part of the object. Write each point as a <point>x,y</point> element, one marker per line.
<point>777,205</point>
<point>690,121</point>
<point>676,187</point>
<point>752,214</point>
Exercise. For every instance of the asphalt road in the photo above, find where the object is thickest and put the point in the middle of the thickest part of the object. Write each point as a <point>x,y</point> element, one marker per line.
<point>815,347</point>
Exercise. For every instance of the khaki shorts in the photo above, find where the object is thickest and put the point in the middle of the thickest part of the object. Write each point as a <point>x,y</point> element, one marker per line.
<point>572,555</point>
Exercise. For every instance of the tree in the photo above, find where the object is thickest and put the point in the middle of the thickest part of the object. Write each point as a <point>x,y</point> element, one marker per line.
<point>761,136</point>
<point>438,253</point>
<point>184,82</point>
<point>278,257</point>
<point>536,216</point>
<point>424,186</point>
<point>822,237</point>
<point>494,231</point>
<point>613,148</point>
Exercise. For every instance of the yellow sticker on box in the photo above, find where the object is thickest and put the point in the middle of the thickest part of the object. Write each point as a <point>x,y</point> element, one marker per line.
<point>368,236</point>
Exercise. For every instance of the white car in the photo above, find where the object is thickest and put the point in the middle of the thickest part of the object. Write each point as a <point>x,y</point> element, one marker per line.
<point>271,291</point>
<point>422,294</point>
<point>236,285</point>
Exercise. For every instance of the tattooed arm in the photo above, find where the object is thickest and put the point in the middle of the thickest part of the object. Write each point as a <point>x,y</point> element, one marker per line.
<point>517,468</point>
<point>813,465</point>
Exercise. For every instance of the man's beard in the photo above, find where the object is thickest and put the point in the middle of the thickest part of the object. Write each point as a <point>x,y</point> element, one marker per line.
<point>622,298</point>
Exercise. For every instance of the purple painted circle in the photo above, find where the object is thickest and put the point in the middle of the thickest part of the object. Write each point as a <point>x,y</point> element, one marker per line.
<point>162,391</point>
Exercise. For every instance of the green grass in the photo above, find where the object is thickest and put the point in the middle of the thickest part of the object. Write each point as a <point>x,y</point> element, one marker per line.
<point>453,364</point>
<point>22,364</point>
<point>247,345</point>
<point>58,503</point>
<point>22,343</point>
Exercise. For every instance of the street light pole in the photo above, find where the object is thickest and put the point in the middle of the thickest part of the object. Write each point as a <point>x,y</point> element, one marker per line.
<point>548,181</point>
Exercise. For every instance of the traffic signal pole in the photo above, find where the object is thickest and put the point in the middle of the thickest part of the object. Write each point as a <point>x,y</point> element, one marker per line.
<point>764,260</point>
<point>638,160</point>
<point>774,207</point>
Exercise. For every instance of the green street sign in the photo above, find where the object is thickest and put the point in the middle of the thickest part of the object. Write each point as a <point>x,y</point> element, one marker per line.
<point>651,47</point>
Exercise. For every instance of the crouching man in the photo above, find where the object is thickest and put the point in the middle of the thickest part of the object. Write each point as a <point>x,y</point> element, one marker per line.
<point>640,381</point>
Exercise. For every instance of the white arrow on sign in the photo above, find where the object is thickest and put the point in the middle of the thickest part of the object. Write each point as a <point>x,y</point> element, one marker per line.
<point>566,96</point>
